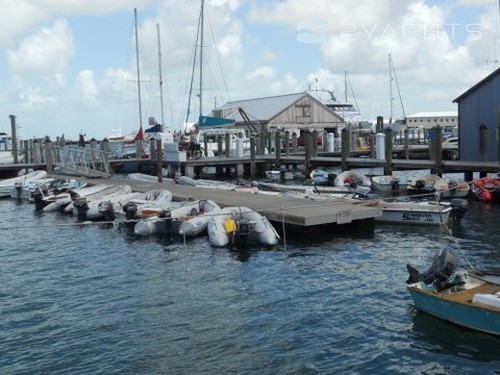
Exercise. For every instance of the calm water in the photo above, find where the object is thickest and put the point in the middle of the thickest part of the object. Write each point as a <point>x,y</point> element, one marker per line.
<point>86,299</point>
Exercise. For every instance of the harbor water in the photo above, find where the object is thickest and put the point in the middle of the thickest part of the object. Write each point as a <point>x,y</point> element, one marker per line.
<point>92,299</point>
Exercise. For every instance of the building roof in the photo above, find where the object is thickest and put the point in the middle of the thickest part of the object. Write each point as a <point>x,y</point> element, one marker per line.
<point>477,85</point>
<point>262,109</point>
<point>434,114</point>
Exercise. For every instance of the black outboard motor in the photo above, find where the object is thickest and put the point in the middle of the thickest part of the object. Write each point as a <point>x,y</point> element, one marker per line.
<point>242,233</point>
<point>460,207</point>
<point>18,186</point>
<point>395,184</point>
<point>38,198</point>
<point>130,210</point>
<point>419,184</point>
<point>444,263</point>
<point>81,207</point>
<point>106,210</point>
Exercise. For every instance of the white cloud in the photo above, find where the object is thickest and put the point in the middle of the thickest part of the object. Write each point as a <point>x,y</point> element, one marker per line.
<point>45,52</point>
<point>87,87</point>
<point>33,98</point>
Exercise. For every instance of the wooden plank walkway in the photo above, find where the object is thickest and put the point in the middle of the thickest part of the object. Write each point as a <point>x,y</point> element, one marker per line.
<point>289,210</point>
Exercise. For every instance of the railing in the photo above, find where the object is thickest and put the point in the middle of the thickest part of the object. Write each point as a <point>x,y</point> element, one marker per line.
<point>80,160</point>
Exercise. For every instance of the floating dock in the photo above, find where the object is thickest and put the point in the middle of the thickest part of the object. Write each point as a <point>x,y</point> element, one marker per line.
<point>282,209</point>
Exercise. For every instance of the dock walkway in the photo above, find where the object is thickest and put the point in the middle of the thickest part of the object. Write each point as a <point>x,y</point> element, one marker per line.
<point>288,210</point>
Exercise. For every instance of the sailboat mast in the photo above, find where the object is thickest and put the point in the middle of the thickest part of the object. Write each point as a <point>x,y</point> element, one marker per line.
<point>390,88</point>
<point>345,84</point>
<point>137,67</point>
<point>201,56</point>
<point>160,76</point>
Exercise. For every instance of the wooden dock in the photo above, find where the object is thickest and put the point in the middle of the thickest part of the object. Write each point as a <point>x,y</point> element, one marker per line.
<point>287,210</point>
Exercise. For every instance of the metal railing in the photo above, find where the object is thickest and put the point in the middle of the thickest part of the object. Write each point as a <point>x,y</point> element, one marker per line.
<point>80,161</point>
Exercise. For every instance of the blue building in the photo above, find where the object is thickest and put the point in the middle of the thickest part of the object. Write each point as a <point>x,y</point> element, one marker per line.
<point>479,107</point>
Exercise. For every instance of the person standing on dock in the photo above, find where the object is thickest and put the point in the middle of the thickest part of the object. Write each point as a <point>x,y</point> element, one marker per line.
<point>81,139</point>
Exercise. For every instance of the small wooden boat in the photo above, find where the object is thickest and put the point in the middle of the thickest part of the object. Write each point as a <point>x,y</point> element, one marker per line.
<point>486,189</point>
<point>389,184</point>
<point>352,179</point>
<point>467,298</point>
<point>240,226</point>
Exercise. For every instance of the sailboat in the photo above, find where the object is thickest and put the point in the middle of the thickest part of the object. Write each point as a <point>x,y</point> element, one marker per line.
<point>134,142</point>
<point>203,120</point>
<point>394,125</point>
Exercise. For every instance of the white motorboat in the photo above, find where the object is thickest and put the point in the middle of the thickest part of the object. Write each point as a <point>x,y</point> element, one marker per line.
<point>389,184</point>
<point>25,190</point>
<point>239,226</point>
<point>422,212</point>
<point>7,184</point>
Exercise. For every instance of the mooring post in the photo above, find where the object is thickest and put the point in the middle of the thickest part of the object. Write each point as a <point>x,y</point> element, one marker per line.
<point>49,162</point>
<point>294,142</point>
<point>13,129</point>
<point>252,157</point>
<point>346,148</point>
<point>483,146</point>
<point>228,145</point>
<point>388,151</point>
<point>37,152</point>
<point>314,143</point>
<point>287,143</point>
<point>407,143</point>
<point>307,150</point>
<point>159,160</point>
<point>277,148</point>
<point>105,154</point>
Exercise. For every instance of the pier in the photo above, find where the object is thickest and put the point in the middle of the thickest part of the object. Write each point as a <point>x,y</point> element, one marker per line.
<point>281,210</point>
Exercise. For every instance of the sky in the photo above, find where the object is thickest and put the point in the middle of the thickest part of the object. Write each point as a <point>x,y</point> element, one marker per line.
<point>69,66</point>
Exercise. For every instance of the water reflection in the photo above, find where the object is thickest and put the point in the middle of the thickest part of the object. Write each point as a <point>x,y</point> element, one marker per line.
<point>440,337</point>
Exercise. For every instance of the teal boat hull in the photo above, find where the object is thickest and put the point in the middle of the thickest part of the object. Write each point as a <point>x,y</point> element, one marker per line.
<point>473,317</point>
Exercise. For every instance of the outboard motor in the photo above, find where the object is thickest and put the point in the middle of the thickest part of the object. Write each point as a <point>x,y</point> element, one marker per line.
<point>106,209</point>
<point>460,207</point>
<point>361,192</point>
<point>130,210</point>
<point>81,207</point>
<point>395,184</point>
<point>419,184</point>
<point>18,186</point>
<point>242,232</point>
<point>444,263</point>
<point>38,198</point>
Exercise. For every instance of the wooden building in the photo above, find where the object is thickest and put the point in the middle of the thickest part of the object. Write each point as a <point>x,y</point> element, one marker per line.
<point>293,112</point>
<point>479,120</point>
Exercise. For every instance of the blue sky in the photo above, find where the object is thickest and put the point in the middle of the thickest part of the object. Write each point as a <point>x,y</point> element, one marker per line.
<point>68,66</point>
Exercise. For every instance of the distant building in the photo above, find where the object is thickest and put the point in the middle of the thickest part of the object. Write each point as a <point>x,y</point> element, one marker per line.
<point>427,120</point>
<point>480,106</point>
<point>287,112</point>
